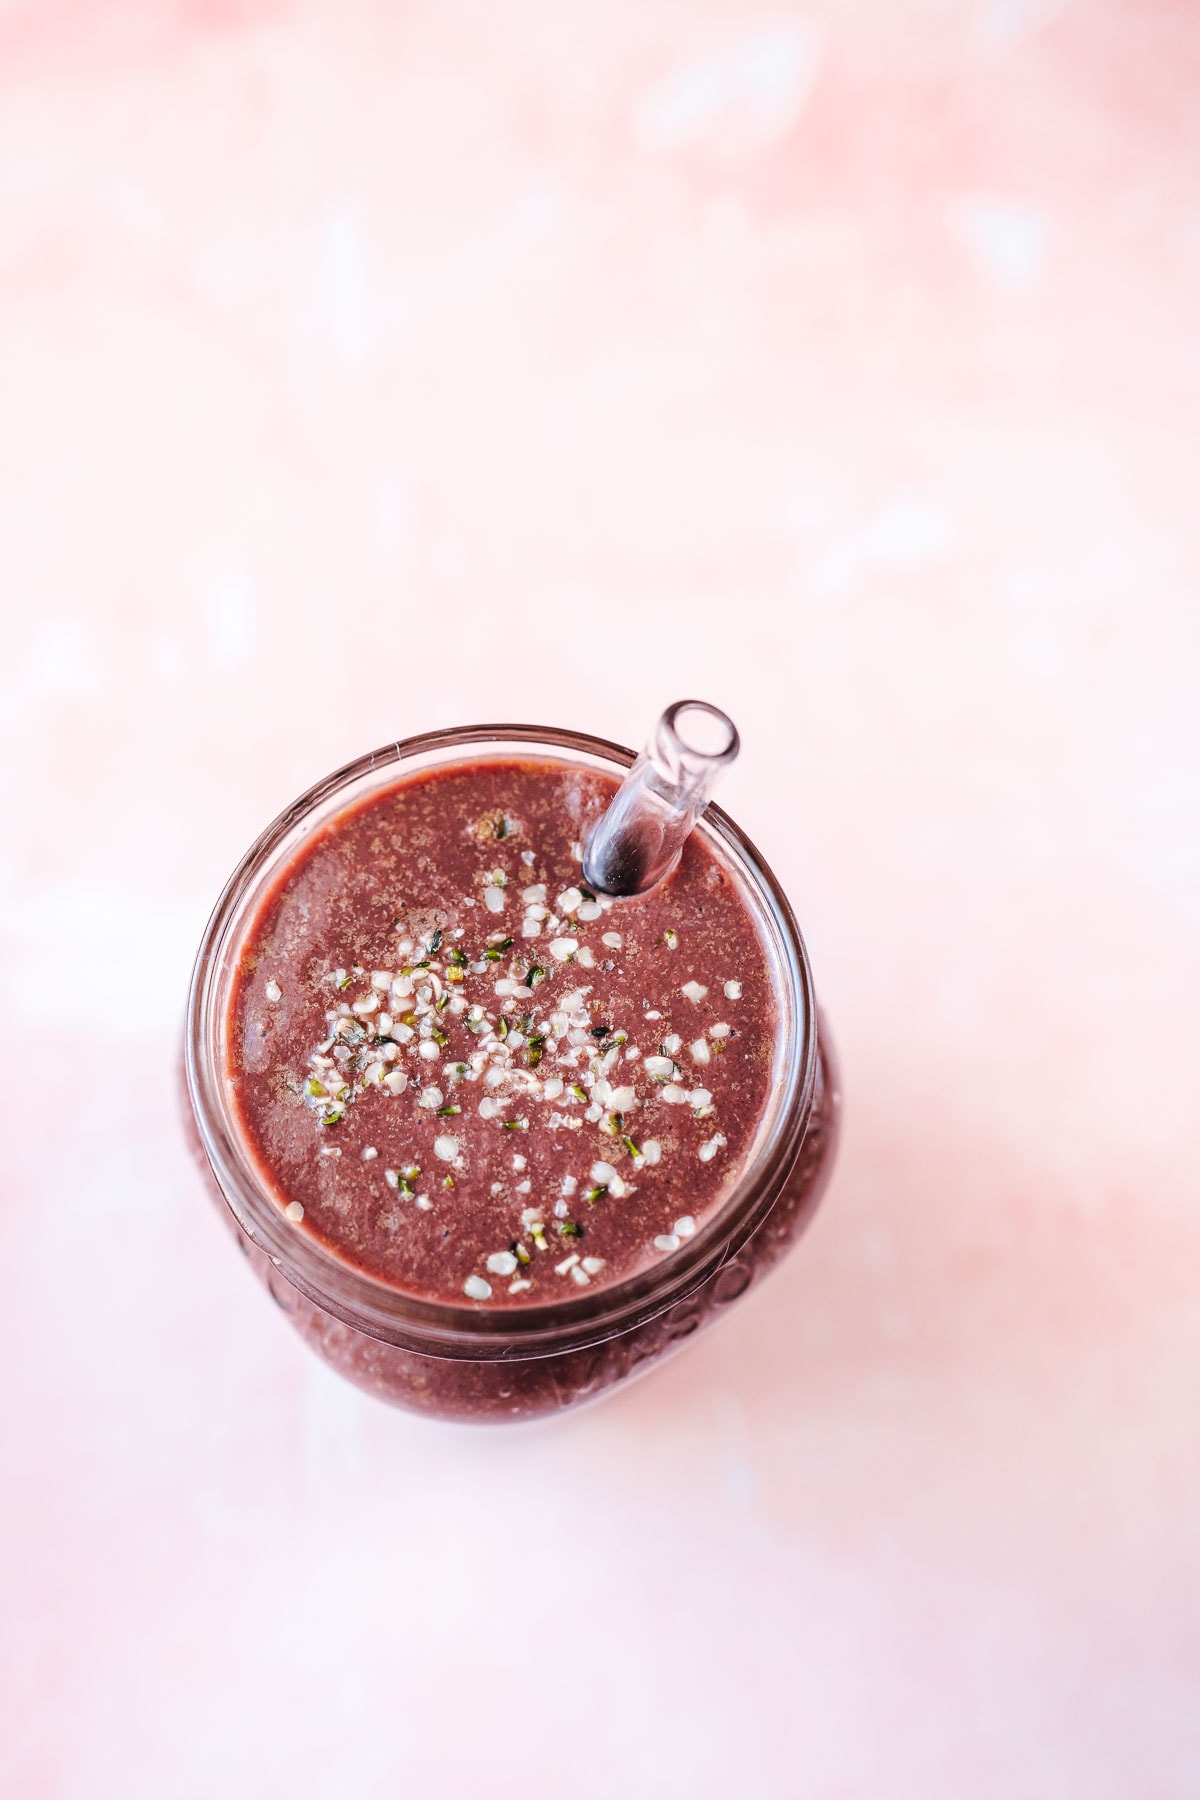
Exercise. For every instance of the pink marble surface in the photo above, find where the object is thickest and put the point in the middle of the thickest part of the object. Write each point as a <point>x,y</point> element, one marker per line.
<point>368,368</point>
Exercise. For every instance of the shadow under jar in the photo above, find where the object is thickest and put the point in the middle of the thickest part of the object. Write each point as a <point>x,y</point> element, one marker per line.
<point>495,1143</point>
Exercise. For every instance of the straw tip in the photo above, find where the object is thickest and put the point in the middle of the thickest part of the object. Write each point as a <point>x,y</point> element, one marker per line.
<point>701,730</point>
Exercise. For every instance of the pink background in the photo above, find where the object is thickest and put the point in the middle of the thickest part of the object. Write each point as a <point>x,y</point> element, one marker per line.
<point>366,368</point>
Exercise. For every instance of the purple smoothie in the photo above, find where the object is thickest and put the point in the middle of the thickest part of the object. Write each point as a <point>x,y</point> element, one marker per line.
<point>493,1143</point>
<point>472,1078</point>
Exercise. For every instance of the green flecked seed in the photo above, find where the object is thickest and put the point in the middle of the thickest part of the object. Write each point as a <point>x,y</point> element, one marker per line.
<point>597,1193</point>
<point>631,1146</point>
<point>568,1228</point>
<point>446,1112</point>
<point>313,1088</point>
<point>578,1091</point>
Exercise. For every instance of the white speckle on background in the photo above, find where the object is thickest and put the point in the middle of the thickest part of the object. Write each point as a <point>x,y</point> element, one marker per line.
<point>58,665</point>
<point>391,514</point>
<point>1005,240</point>
<point>909,532</point>
<point>231,619</point>
<point>61,659</point>
<point>346,262</point>
<point>164,657</point>
<point>1005,22</point>
<point>746,96</point>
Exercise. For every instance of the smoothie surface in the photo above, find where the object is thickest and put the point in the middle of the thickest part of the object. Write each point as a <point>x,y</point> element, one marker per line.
<point>469,1076</point>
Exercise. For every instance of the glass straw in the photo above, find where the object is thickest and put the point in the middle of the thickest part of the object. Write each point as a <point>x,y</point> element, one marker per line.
<point>640,837</point>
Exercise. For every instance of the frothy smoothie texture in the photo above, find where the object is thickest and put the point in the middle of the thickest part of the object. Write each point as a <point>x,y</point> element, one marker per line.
<point>473,1078</point>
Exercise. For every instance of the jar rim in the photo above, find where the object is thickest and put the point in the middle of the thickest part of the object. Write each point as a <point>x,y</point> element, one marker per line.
<point>445,1328</point>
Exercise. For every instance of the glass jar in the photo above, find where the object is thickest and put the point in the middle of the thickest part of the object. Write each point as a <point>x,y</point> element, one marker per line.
<point>457,1362</point>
